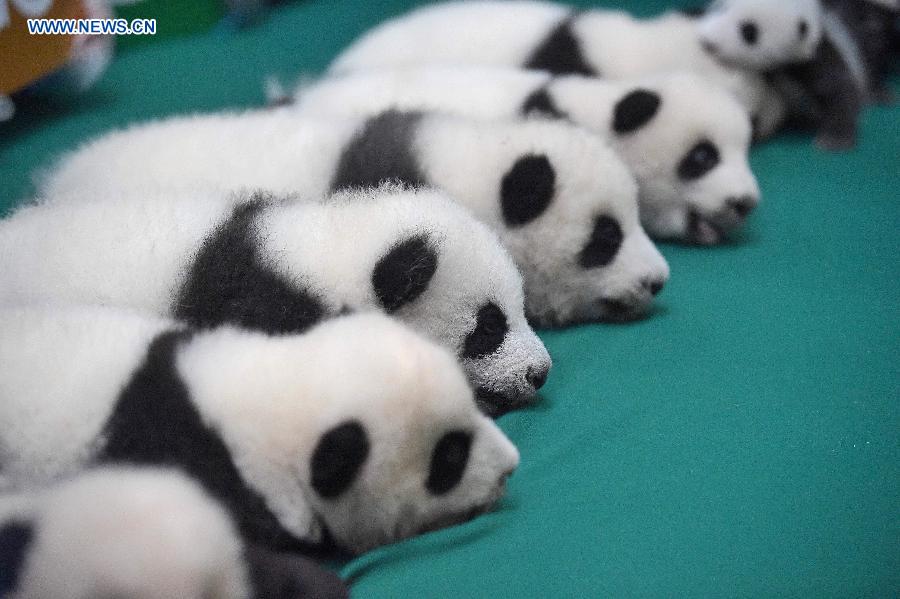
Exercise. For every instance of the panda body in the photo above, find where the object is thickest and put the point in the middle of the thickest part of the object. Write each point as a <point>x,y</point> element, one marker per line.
<point>208,258</point>
<point>482,165</point>
<point>656,125</point>
<point>140,533</point>
<point>552,37</point>
<point>342,434</point>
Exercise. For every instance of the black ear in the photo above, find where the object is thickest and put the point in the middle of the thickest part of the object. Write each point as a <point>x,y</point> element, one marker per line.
<point>635,110</point>
<point>526,190</point>
<point>15,538</point>
<point>338,457</point>
<point>404,272</point>
<point>448,462</point>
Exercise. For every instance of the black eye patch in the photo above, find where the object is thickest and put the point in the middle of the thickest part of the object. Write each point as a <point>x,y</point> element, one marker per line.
<point>338,458</point>
<point>526,190</point>
<point>488,334</point>
<point>604,244</point>
<point>403,274</point>
<point>15,539</point>
<point>635,110</point>
<point>750,32</point>
<point>448,462</point>
<point>701,159</point>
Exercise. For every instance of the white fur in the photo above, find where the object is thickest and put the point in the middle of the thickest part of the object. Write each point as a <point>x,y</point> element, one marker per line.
<point>136,253</point>
<point>130,533</point>
<point>778,21</point>
<point>692,110</point>
<point>614,43</point>
<point>270,399</point>
<point>287,151</point>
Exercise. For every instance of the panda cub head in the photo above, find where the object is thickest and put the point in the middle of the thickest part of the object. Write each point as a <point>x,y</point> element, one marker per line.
<point>359,430</point>
<point>762,34</point>
<point>83,538</point>
<point>564,205</point>
<point>435,267</point>
<point>687,143</point>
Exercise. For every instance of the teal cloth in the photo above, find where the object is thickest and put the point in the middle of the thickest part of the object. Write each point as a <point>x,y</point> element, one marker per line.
<point>744,441</point>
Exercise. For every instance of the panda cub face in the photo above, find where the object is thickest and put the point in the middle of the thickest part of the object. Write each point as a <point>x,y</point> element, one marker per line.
<point>762,34</point>
<point>687,143</point>
<point>567,210</point>
<point>376,439</point>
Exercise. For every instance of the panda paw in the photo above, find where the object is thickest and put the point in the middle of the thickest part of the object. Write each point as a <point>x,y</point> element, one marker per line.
<point>832,142</point>
<point>288,576</point>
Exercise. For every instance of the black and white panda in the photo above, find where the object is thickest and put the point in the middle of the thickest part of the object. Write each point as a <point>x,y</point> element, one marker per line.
<point>561,200</point>
<point>828,58</point>
<point>355,434</point>
<point>207,257</point>
<point>552,37</point>
<point>140,533</point>
<point>685,140</point>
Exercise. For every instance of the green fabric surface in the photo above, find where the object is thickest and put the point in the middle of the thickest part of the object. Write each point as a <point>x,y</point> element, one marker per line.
<point>744,441</point>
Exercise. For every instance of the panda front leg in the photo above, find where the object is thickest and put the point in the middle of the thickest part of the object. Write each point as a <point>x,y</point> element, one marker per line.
<point>842,100</point>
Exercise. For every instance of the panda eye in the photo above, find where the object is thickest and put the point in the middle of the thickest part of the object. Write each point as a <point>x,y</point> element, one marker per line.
<point>802,28</point>
<point>701,159</point>
<point>448,462</point>
<point>488,334</point>
<point>602,247</point>
<point>750,32</point>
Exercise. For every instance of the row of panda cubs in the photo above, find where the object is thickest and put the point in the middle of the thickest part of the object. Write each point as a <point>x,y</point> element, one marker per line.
<point>355,434</point>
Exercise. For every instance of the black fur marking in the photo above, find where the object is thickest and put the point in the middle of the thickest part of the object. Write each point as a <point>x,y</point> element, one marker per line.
<point>381,151</point>
<point>540,103</point>
<point>635,110</point>
<point>155,423</point>
<point>527,189</point>
<point>338,458</point>
<point>289,576</point>
<point>699,160</point>
<point>750,32</point>
<point>802,29</point>
<point>487,336</point>
<point>403,274</point>
<point>560,52</point>
<point>693,12</point>
<point>604,244</point>
<point>230,282</point>
<point>448,462</point>
<point>15,539</point>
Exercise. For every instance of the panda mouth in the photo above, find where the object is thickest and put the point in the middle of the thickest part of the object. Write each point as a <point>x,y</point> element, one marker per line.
<point>619,310</point>
<point>703,231</point>
<point>455,518</point>
<point>493,403</point>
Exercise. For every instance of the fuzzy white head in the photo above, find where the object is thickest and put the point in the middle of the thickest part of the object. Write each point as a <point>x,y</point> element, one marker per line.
<point>424,259</point>
<point>685,140</point>
<point>359,427</point>
<point>122,532</point>
<point>564,205</point>
<point>762,34</point>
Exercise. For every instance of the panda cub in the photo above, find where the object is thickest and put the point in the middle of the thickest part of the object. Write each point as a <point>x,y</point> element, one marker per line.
<point>553,37</point>
<point>208,258</point>
<point>828,59</point>
<point>561,200</point>
<point>81,539</point>
<point>355,434</point>
<point>685,140</point>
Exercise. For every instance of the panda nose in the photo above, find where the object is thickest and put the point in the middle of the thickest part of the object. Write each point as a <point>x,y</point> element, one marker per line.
<point>537,377</point>
<point>743,205</point>
<point>654,286</point>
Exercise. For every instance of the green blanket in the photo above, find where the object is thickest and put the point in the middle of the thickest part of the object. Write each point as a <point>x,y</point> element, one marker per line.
<point>743,441</point>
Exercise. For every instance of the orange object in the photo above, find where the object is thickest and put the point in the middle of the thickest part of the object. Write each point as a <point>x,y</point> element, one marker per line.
<point>26,57</point>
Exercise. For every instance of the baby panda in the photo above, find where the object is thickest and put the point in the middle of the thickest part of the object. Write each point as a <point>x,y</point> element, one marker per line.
<point>762,34</point>
<point>355,434</point>
<point>827,59</point>
<point>562,202</point>
<point>553,37</point>
<point>685,140</point>
<point>208,257</point>
<point>140,533</point>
